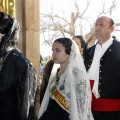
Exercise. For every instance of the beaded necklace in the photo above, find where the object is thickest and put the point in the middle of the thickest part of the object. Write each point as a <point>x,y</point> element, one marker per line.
<point>57,82</point>
<point>57,76</point>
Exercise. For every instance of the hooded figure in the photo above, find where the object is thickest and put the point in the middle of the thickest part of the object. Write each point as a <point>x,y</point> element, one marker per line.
<point>17,76</point>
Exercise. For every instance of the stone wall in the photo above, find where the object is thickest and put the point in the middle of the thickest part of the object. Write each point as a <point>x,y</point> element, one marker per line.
<point>27,13</point>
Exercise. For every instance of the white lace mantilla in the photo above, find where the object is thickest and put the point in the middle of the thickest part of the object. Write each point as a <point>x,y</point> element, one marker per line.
<point>74,84</point>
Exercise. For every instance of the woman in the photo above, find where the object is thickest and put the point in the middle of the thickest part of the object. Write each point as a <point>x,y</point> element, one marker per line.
<point>68,94</point>
<point>17,75</point>
<point>48,67</point>
<point>82,45</point>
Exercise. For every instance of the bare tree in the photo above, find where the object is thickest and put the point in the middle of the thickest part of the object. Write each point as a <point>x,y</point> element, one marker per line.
<point>90,37</point>
<point>54,25</point>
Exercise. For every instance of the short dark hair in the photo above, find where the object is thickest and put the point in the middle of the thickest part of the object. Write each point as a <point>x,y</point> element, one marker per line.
<point>66,42</point>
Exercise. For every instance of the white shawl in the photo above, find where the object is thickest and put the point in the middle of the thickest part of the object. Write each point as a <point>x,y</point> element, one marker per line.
<point>77,87</point>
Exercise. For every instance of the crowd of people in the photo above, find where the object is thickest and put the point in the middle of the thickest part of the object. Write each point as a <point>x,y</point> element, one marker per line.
<point>79,83</point>
<point>102,63</point>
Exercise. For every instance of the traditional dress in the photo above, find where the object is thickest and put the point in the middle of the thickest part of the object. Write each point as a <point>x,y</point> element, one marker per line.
<point>103,65</point>
<point>68,97</point>
<point>18,78</point>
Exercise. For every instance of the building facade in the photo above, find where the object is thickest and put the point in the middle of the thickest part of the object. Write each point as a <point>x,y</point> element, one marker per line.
<point>27,13</point>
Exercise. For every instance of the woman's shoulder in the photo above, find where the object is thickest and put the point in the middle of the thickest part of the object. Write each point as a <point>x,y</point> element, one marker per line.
<point>18,58</point>
<point>18,55</point>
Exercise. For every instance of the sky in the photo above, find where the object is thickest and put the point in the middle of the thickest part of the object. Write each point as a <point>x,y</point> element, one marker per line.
<point>94,9</point>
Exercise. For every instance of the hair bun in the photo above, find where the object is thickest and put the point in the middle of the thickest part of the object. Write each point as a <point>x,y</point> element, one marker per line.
<point>6,22</point>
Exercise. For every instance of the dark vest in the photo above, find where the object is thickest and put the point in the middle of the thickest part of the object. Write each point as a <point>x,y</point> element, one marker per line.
<point>109,70</point>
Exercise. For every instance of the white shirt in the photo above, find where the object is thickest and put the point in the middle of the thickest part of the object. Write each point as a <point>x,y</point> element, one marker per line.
<point>93,71</point>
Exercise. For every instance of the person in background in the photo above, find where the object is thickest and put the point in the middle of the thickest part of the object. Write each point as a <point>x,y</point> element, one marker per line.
<point>82,45</point>
<point>18,78</point>
<point>102,62</point>
<point>68,95</point>
<point>46,75</point>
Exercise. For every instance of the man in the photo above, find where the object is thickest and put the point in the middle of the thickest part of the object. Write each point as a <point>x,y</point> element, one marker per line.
<point>102,62</point>
<point>18,78</point>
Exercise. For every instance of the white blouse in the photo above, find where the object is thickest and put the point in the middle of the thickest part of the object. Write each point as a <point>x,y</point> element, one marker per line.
<point>93,71</point>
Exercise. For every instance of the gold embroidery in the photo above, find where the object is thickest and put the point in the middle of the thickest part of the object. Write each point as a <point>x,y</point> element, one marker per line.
<point>60,98</point>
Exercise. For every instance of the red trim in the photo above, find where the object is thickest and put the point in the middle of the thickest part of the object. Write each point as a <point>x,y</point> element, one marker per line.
<point>102,104</point>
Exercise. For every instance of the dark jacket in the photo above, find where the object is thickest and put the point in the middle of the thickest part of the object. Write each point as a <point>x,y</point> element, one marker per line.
<point>15,92</point>
<point>109,70</point>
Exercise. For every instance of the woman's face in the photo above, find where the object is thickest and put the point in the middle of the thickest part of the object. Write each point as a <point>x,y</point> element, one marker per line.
<point>59,54</point>
<point>79,44</point>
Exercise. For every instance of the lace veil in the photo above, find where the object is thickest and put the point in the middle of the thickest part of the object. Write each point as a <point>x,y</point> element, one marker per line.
<point>77,87</point>
<point>9,40</point>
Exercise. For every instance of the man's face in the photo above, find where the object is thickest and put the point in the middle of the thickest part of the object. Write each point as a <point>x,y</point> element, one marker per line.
<point>102,27</point>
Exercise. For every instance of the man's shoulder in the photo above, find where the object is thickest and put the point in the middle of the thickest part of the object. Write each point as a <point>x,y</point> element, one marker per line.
<point>90,48</point>
<point>116,42</point>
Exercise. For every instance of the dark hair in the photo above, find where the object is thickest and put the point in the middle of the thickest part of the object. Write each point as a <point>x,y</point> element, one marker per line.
<point>66,42</point>
<point>46,76</point>
<point>6,22</point>
<point>82,41</point>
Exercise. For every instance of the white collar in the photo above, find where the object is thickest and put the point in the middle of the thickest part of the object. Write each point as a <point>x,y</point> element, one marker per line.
<point>106,44</point>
